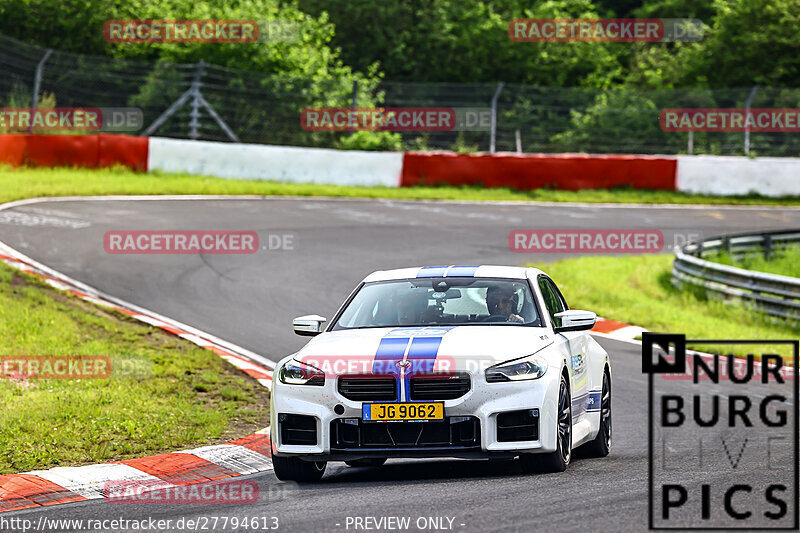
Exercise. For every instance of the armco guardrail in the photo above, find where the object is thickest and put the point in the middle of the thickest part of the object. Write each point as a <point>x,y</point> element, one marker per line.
<point>770,293</point>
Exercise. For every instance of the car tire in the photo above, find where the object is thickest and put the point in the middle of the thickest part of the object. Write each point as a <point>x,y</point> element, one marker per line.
<point>295,469</point>
<point>367,462</point>
<point>558,460</point>
<point>601,445</point>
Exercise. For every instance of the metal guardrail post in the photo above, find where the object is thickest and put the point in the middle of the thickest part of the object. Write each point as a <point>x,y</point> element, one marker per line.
<point>198,100</point>
<point>747,122</point>
<point>37,81</point>
<point>194,114</point>
<point>494,117</point>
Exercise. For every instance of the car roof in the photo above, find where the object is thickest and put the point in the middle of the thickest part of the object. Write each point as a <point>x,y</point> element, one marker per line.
<point>470,271</point>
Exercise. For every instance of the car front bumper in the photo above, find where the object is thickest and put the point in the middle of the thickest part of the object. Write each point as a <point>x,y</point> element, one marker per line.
<point>332,414</point>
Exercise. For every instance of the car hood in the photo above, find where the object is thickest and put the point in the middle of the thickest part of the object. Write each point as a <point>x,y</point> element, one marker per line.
<point>486,345</point>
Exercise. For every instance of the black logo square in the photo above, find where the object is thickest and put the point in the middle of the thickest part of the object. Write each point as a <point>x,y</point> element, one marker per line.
<point>663,340</point>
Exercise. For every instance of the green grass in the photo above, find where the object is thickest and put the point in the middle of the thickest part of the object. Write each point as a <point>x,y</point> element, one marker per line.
<point>785,262</point>
<point>163,394</point>
<point>19,183</point>
<point>637,290</point>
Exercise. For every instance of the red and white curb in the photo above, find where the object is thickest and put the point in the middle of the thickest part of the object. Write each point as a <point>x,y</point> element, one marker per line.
<point>38,488</point>
<point>612,329</point>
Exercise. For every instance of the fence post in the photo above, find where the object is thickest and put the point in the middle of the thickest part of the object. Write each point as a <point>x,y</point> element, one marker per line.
<point>194,122</point>
<point>767,247</point>
<point>747,122</point>
<point>494,117</point>
<point>518,138</point>
<point>691,142</point>
<point>37,81</point>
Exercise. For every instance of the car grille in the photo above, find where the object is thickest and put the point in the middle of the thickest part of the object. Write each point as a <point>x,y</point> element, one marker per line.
<point>368,388</point>
<point>424,388</point>
<point>458,433</point>
<point>430,388</point>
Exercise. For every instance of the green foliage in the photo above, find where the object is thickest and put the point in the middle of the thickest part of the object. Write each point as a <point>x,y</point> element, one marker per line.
<point>18,96</point>
<point>748,42</point>
<point>371,140</point>
<point>456,41</point>
<point>77,26</point>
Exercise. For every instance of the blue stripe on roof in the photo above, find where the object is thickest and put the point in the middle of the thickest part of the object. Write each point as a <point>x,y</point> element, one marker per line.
<point>464,271</point>
<point>432,272</point>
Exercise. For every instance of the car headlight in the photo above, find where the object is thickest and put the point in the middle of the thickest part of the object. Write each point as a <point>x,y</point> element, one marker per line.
<point>297,373</point>
<point>532,368</point>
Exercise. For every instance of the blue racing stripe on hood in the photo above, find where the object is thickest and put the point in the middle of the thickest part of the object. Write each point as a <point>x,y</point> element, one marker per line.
<point>421,354</point>
<point>390,351</point>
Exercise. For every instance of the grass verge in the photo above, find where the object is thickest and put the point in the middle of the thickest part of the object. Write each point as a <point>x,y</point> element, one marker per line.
<point>19,183</point>
<point>637,290</point>
<point>785,262</point>
<point>163,394</point>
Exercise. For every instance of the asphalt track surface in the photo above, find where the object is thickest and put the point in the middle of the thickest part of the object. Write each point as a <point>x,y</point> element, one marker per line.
<point>250,300</point>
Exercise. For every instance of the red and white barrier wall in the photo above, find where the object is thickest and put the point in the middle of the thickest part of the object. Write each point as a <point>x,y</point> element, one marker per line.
<point>276,163</point>
<point>92,151</point>
<point>714,175</point>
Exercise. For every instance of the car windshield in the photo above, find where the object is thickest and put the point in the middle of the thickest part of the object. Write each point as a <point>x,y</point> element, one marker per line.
<point>441,301</point>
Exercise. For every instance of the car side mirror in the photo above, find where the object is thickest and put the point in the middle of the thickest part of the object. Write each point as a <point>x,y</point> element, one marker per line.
<point>574,320</point>
<point>309,325</point>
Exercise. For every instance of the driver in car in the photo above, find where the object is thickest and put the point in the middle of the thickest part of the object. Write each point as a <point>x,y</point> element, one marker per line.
<point>500,301</point>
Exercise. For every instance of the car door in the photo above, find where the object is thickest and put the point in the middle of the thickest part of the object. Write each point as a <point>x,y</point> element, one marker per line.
<point>575,346</point>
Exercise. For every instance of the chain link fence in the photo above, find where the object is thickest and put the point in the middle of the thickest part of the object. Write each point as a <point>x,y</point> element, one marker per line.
<point>203,101</point>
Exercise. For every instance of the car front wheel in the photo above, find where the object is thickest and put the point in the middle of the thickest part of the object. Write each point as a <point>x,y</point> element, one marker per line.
<point>601,445</point>
<point>559,459</point>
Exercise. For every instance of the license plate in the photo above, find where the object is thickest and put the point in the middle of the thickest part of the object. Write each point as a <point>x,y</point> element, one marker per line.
<point>405,412</point>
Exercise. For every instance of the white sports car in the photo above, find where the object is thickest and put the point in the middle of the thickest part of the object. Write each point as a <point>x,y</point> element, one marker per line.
<point>455,361</point>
